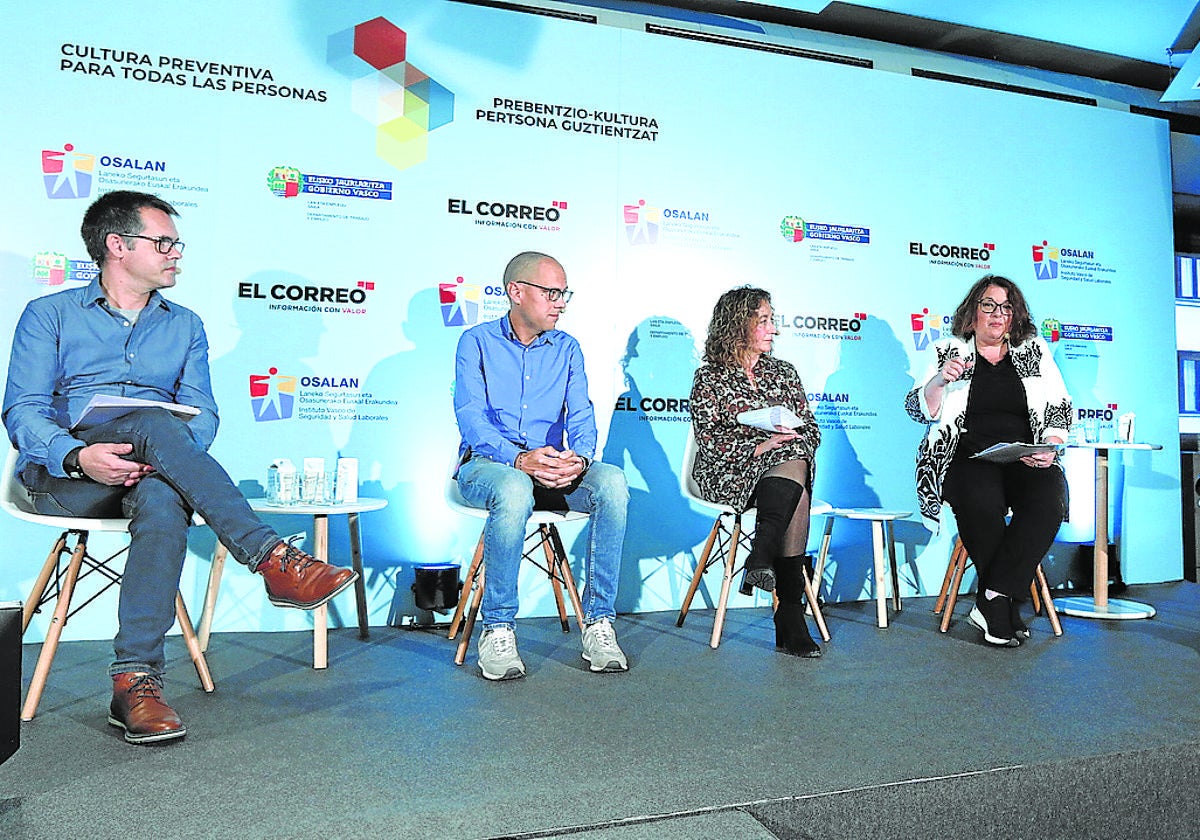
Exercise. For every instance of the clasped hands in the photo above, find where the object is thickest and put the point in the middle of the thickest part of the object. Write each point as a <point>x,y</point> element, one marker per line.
<point>551,468</point>
<point>103,463</point>
<point>782,436</point>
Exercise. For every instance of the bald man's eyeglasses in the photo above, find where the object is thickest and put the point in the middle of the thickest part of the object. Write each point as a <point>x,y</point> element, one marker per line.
<point>552,294</point>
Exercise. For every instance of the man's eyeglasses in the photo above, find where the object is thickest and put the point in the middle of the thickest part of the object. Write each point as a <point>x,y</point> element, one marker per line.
<point>552,294</point>
<point>162,244</point>
<point>988,306</point>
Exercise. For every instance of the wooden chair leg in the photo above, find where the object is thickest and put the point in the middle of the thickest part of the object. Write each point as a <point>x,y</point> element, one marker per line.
<point>215,570</point>
<point>320,616</point>
<point>43,579</point>
<point>568,578</point>
<point>193,644</point>
<point>476,596</point>
<point>698,575</point>
<point>941,601</point>
<point>54,632</point>
<point>1051,613</point>
<point>818,576</point>
<point>726,584</point>
<point>465,594</point>
<point>823,552</point>
<point>958,562</point>
<point>552,569</point>
<point>811,593</point>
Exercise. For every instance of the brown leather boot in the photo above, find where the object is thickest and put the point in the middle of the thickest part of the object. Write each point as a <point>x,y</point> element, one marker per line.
<point>138,708</point>
<point>297,579</point>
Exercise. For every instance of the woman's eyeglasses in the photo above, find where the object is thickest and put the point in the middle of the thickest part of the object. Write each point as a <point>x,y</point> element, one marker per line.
<point>988,306</point>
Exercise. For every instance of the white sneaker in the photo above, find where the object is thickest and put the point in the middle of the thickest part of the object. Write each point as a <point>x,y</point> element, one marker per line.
<point>498,657</point>
<point>600,647</point>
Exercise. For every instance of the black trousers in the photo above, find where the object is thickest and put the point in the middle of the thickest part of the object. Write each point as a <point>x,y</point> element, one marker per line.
<point>1006,551</point>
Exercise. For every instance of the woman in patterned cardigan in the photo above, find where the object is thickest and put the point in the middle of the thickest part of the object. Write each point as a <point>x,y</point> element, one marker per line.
<point>994,381</point>
<point>745,467</point>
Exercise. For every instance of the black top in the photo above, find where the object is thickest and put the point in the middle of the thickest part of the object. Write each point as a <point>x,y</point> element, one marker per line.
<point>997,411</point>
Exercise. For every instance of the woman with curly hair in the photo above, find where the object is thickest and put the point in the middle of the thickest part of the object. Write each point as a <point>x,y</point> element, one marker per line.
<point>745,467</point>
<point>993,381</point>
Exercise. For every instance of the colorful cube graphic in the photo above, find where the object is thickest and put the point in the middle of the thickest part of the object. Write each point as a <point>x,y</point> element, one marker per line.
<point>401,101</point>
<point>380,43</point>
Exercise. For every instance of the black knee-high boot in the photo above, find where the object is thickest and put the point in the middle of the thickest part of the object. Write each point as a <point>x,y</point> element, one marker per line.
<point>776,500</point>
<point>791,630</point>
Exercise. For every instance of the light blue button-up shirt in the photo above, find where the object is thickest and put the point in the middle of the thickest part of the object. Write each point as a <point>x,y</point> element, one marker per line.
<point>70,346</point>
<point>509,398</point>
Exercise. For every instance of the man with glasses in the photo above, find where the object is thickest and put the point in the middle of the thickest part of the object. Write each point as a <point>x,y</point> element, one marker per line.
<point>528,437</point>
<point>118,337</point>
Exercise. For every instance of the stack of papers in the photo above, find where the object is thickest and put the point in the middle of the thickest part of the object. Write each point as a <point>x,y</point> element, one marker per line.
<point>103,409</point>
<point>1006,453</point>
<point>769,419</point>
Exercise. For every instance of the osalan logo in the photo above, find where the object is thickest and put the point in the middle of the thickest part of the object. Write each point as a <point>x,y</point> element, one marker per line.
<point>928,327</point>
<point>1045,261</point>
<point>272,396</point>
<point>68,173</point>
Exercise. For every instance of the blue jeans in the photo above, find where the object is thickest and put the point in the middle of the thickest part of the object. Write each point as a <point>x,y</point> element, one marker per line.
<point>159,507</point>
<point>507,494</point>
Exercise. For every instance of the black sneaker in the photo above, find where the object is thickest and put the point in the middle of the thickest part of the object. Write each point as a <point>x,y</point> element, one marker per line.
<point>993,617</point>
<point>1020,629</point>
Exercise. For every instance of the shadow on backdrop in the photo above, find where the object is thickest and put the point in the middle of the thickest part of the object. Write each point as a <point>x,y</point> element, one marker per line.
<point>857,465</point>
<point>646,437</point>
<point>404,459</point>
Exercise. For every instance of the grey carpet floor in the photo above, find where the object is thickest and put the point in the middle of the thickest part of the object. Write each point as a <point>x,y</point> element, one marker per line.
<point>394,741</point>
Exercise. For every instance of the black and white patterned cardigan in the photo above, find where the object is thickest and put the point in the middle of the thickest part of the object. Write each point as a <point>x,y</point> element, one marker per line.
<point>1045,394</point>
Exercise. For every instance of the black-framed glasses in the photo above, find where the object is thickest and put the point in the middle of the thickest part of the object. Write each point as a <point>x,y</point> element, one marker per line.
<point>162,244</point>
<point>552,294</point>
<point>987,306</point>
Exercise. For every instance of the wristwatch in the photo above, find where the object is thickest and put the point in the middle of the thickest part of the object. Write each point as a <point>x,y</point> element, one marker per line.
<point>71,464</point>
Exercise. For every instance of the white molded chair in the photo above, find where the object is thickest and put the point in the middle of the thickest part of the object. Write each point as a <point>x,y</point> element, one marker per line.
<point>543,534</point>
<point>727,535</point>
<point>79,564</point>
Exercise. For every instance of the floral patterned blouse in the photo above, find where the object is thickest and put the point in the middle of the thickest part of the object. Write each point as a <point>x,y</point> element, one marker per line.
<point>726,468</point>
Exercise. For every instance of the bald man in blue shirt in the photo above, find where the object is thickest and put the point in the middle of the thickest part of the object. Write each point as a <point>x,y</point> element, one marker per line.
<point>527,423</point>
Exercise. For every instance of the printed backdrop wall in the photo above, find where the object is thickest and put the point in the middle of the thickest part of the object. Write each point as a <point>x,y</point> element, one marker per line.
<point>352,178</point>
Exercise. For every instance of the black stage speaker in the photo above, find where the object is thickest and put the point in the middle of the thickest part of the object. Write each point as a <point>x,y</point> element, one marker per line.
<point>436,586</point>
<point>10,678</point>
<point>1081,571</point>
